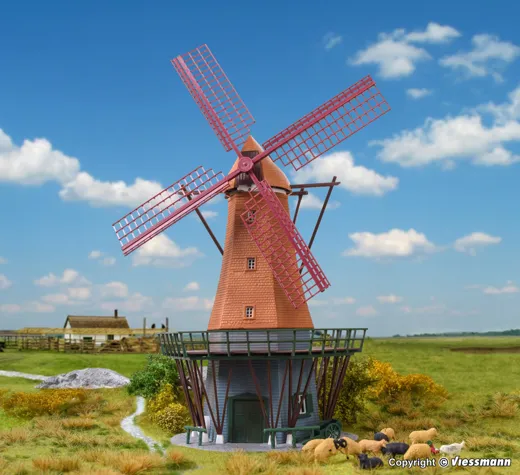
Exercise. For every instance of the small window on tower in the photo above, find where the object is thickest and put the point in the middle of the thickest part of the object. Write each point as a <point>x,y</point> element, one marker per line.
<point>251,263</point>
<point>250,312</point>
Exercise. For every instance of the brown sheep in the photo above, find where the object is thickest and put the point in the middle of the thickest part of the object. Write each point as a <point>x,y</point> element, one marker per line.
<point>312,444</point>
<point>422,436</point>
<point>418,451</point>
<point>329,447</point>
<point>389,432</point>
<point>353,447</point>
<point>373,446</point>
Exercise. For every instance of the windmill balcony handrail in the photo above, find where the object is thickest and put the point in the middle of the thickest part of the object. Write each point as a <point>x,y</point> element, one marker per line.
<point>262,342</point>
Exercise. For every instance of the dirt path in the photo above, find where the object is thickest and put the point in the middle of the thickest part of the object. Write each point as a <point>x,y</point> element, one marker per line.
<point>127,424</point>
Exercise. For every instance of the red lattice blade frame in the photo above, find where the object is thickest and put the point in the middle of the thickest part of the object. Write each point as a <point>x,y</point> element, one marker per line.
<point>328,125</point>
<point>218,100</point>
<point>282,246</point>
<point>167,207</point>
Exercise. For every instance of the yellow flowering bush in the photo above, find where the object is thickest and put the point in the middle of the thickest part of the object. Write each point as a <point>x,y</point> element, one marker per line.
<point>44,402</point>
<point>392,386</point>
<point>172,418</point>
<point>164,398</point>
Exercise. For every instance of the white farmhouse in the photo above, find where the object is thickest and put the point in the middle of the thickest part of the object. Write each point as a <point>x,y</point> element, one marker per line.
<point>117,322</point>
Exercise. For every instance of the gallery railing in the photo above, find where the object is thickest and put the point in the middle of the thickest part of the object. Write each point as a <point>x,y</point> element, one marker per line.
<point>262,344</point>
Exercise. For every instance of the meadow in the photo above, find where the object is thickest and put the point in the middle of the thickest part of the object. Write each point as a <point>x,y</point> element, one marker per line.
<point>482,409</point>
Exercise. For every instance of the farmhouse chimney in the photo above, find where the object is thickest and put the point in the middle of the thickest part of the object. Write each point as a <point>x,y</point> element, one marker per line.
<point>115,313</point>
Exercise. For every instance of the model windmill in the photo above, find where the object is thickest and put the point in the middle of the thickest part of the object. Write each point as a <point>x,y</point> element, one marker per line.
<point>269,370</point>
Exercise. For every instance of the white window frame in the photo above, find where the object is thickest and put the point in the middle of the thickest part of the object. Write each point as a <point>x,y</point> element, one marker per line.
<point>252,312</point>
<point>253,261</point>
<point>303,409</point>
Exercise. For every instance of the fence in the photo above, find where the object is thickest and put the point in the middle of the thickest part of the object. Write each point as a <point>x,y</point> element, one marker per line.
<point>59,344</point>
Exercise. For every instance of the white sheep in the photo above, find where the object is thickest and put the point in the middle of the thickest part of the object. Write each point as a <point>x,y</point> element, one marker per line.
<point>418,451</point>
<point>452,448</point>
<point>373,446</point>
<point>389,432</point>
<point>422,436</point>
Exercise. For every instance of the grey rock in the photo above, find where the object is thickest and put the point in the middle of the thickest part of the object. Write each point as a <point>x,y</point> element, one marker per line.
<point>90,378</point>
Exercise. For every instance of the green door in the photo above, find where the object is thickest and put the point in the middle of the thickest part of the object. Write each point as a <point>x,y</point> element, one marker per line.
<point>247,423</point>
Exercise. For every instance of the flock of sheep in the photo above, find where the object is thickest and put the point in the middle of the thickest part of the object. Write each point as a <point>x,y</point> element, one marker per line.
<point>421,447</point>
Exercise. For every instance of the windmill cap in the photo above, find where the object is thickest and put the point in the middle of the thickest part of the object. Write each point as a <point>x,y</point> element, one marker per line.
<point>269,170</point>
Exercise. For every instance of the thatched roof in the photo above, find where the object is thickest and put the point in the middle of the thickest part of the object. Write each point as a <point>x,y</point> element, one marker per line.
<point>96,322</point>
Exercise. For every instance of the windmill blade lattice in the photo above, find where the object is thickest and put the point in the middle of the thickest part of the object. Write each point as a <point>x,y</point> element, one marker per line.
<point>328,125</point>
<point>282,246</point>
<point>167,207</point>
<point>213,92</point>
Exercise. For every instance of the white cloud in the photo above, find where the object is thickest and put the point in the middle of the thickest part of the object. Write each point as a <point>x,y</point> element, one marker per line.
<point>99,193</point>
<point>471,242</point>
<point>330,40</point>
<point>108,261</point>
<point>5,283</point>
<point>114,289</point>
<point>418,93</point>
<point>10,308</point>
<point>3,260</point>
<point>135,302</point>
<point>34,163</point>
<point>192,286</point>
<point>368,311</point>
<point>390,298</point>
<point>69,276</point>
<point>79,293</point>
<point>488,54</point>
<point>394,243</point>
<point>434,33</point>
<point>428,309</point>
<point>56,299</point>
<point>311,201</point>
<point>161,251</point>
<point>209,214</point>
<point>509,288</point>
<point>395,54</point>
<point>344,301</point>
<point>463,137</point>
<point>187,303</point>
<point>30,307</point>
<point>354,178</point>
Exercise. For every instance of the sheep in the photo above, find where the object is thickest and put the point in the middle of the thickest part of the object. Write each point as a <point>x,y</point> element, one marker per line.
<point>395,448</point>
<point>369,463</point>
<point>329,447</point>
<point>389,432</point>
<point>421,436</point>
<point>381,436</point>
<point>371,445</point>
<point>452,448</point>
<point>353,447</point>
<point>418,451</point>
<point>312,444</point>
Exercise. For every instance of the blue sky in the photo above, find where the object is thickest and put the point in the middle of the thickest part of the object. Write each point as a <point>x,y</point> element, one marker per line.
<point>424,234</point>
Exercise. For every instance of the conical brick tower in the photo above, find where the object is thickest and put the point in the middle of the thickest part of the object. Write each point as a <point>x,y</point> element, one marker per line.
<point>248,295</point>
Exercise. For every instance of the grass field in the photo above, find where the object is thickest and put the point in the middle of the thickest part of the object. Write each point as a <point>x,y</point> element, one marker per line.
<point>490,427</point>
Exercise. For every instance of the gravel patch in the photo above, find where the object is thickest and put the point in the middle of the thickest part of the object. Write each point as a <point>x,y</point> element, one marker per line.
<point>17,374</point>
<point>90,378</point>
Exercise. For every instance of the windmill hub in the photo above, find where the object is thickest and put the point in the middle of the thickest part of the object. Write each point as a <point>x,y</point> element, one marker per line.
<point>245,164</point>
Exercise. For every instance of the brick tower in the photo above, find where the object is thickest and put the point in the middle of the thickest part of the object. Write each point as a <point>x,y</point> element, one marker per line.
<point>248,295</point>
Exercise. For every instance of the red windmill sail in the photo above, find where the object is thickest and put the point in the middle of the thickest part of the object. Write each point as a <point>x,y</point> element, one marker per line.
<point>297,145</point>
